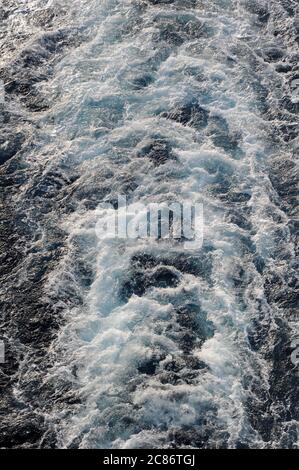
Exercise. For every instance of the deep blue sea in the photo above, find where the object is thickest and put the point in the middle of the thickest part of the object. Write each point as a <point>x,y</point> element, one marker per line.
<point>148,343</point>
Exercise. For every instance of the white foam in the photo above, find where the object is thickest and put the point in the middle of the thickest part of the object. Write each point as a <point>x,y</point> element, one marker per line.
<point>100,123</point>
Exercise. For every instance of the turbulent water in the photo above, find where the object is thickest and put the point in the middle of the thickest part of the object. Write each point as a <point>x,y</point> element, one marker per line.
<point>146,343</point>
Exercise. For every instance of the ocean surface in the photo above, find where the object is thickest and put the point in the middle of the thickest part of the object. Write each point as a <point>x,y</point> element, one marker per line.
<point>115,343</point>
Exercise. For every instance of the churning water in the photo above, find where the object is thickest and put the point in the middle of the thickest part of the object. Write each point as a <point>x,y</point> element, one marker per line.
<point>121,343</point>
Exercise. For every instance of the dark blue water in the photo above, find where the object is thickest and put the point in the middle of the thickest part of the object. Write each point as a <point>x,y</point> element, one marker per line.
<point>147,343</point>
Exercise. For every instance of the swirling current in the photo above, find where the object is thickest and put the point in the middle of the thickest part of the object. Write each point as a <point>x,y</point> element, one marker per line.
<point>146,344</point>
